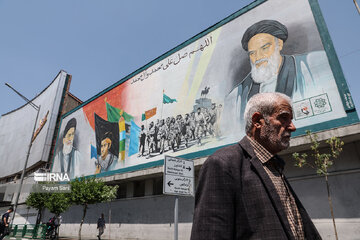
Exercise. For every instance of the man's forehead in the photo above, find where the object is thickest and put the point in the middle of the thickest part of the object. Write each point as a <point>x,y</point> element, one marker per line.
<point>260,40</point>
<point>283,107</point>
<point>106,140</point>
<point>71,130</point>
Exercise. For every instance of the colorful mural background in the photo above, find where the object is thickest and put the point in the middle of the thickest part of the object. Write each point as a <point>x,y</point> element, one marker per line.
<point>190,100</point>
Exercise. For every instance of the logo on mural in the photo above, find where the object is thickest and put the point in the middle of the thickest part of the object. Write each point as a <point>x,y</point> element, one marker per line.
<point>321,104</point>
<point>302,109</point>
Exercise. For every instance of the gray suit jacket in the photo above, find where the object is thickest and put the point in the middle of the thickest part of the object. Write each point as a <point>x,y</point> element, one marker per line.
<point>235,199</point>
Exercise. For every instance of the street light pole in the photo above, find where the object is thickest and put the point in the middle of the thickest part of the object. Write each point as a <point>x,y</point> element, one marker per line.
<point>357,6</point>
<point>37,108</point>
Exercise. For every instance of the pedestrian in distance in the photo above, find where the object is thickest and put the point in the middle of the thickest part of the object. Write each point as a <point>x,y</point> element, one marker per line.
<point>242,192</point>
<point>101,226</point>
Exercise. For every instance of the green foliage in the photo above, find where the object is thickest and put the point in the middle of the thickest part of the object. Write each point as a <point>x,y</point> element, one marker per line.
<point>300,159</point>
<point>37,200</point>
<point>323,161</point>
<point>58,203</point>
<point>85,191</point>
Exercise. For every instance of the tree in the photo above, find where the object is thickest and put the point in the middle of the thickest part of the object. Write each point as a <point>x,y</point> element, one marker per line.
<point>322,161</point>
<point>58,203</point>
<point>86,191</point>
<point>37,200</point>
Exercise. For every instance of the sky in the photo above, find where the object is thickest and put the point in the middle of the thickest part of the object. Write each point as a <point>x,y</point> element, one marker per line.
<point>100,42</point>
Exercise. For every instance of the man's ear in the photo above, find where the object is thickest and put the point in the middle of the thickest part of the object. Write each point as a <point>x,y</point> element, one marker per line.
<point>256,119</point>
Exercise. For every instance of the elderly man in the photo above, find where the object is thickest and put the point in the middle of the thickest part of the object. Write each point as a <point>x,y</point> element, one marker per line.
<point>106,160</point>
<point>242,192</point>
<point>298,76</point>
<point>68,158</point>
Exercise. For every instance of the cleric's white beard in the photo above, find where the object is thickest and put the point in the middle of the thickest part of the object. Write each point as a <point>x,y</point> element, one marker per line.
<point>67,148</point>
<point>265,73</point>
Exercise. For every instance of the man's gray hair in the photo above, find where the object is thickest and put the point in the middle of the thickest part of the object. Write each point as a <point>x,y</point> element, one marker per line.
<point>264,103</point>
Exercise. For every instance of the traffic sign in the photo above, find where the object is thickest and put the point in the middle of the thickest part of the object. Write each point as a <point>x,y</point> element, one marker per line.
<point>178,176</point>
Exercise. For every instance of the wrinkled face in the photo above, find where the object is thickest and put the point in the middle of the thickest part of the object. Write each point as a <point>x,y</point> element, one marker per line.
<point>69,137</point>
<point>261,47</point>
<point>276,129</point>
<point>105,146</point>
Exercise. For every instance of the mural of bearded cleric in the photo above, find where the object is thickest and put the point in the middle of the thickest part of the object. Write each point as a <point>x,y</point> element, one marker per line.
<point>68,157</point>
<point>271,71</point>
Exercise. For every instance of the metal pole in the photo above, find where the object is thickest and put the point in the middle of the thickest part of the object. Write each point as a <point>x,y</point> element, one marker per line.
<point>37,108</point>
<point>24,169</point>
<point>162,104</point>
<point>110,221</point>
<point>357,6</point>
<point>176,218</point>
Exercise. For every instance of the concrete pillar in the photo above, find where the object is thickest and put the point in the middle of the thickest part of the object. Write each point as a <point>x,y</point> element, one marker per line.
<point>149,186</point>
<point>130,190</point>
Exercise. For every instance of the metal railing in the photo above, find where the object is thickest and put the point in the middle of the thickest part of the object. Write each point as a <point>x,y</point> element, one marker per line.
<point>30,231</point>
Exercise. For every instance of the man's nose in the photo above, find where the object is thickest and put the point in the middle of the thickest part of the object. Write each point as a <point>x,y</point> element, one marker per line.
<point>292,127</point>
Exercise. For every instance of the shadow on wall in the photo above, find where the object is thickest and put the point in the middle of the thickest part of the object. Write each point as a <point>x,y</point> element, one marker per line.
<point>143,210</point>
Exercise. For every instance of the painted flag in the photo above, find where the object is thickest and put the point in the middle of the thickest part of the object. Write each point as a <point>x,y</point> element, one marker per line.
<point>93,152</point>
<point>148,114</point>
<point>126,116</point>
<point>122,132</point>
<point>105,129</point>
<point>134,138</point>
<point>167,99</point>
<point>114,114</point>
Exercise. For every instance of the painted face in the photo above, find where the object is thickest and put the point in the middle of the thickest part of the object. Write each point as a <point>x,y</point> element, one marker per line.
<point>69,137</point>
<point>105,146</point>
<point>276,129</point>
<point>261,47</point>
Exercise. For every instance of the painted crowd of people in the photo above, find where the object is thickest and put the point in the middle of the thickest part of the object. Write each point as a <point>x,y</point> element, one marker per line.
<point>182,131</point>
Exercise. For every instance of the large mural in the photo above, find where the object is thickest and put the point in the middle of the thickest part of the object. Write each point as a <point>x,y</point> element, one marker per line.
<point>192,99</point>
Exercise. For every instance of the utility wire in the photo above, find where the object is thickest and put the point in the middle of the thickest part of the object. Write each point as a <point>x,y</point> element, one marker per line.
<point>349,53</point>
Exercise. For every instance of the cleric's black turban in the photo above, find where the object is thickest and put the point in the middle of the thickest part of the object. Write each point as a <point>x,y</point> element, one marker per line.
<point>271,27</point>
<point>70,124</point>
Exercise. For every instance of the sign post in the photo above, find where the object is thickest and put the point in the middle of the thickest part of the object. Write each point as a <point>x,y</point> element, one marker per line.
<point>176,218</point>
<point>178,180</point>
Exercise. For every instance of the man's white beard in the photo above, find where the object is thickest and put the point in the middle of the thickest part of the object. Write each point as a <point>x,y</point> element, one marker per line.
<point>265,73</point>
<point>67,148</point>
